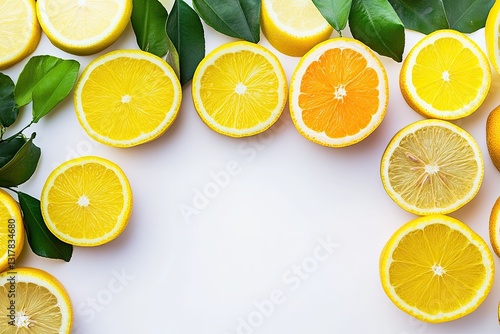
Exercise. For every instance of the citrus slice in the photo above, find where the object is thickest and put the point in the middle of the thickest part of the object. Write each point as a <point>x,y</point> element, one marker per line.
<point>495,227</point>
<point>492,38</point>
<point>432,167</point>
<point>127,97</point>
<point>86,201</point>
<point>20,31</point>
<point>83,27</point>
<point>445,75</point>
<point>436,268</point>
<point>11,231</point>
<point>33,301</point>
<point>239,89</point>
<point>293,27</point>
<point>493,136</point>
<point>338,93</point>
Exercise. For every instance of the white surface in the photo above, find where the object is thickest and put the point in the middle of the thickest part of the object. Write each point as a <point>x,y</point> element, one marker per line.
<point>284,199</point>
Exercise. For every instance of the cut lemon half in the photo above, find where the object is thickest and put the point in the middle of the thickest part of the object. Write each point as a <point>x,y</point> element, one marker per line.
<point>127,97</point>
<point>87,201</point>
<point>436,268</point>
<point>20,31</point>
<point>293,27</point>
<point>445,75</point>
<point>11,231</point>
<point>495,227</point>
<point>239,89</point>
<point>432,167</point>
<point>338,93</point>
<point>83,27</point>
<point>492,38</point>
<point>33,301</point>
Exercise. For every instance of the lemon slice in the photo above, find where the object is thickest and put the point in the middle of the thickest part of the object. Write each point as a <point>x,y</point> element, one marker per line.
<point>19,29</point>
<point>445,75</point>
<point>83,27</point>
<point>293,27</point>
<point>431,167</point>
<point>491,31</point>
<point>495,227</point>
<point>11,231</point>
<point>239,89</point>
<point>33,301</point>
<point>338,93</point>
<point>87,201</point>
<point>436,268</point>
<point>127,97</point>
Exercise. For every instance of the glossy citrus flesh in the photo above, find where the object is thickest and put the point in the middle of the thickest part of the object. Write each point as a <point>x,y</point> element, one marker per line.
<point>492,38</point>
<point>338,93</point>
<point>87,201</point>
<point>12,233</point>
<point>41,304</point>
<point>126,98</point>
<point>239,89</point>
<point>432,166</point>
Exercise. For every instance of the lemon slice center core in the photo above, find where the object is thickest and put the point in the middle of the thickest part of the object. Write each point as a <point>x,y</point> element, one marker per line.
<point>126,98</point>
<point>83,201</point>
<point>446,76</point>
<point>438,270</point>
<point>22,320</point>
<point>240,88</point>
<point>340,92</point>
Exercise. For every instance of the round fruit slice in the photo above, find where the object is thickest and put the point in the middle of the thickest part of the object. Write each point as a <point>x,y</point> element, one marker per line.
<point>11,231</point>
<point>20,31</point>
<point>83,27</point>
<point>436,269</point>
<point>445,75</point>
<point>492,36</point>
<point>86,201</point>
<point>338,93</point>
<point>33,301</point>
<point>493,136</point>
<point>432,167</point>
<point>127,97</point>
<point>239,89</point>
<point>293,27</point>
<point>495,227</point>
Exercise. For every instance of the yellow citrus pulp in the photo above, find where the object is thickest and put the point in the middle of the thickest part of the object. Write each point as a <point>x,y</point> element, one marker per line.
<point>492,37</point>
<point>12,233</point>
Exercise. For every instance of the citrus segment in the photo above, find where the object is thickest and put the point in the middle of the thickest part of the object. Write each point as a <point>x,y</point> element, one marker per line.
<point>127,97</point>
<point>436,268</point>
<point>87,201</point>
<point>338,93</point>
<point>492,38</point>
<point>293,34</point>
<point>41,304</point>
<point>20,31</point>
<point>445,75</point>
<point>11,231</point>
<point>432,166</point>
<point>239,89</point>
<point>83,27</point>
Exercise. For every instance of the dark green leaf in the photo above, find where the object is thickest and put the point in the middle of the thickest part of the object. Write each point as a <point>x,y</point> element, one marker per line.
<point>336,12</point>
<point>40,239</point>
<point>9,148</point>
<point>375,23</point>
<point>235,18</point>
<point>20,168</point>
<point>8,108</point>
<point>421,15</point>
<point>35,70</point>
<point>149,18</point>
<point>467,15</point>
<point>185,29</point>
<point>54,87</point>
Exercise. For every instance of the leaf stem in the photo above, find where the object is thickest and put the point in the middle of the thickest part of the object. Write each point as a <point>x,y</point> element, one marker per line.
<point>18,133</point>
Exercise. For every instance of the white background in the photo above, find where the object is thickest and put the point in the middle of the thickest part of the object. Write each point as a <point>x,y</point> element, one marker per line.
<point>233,266</point>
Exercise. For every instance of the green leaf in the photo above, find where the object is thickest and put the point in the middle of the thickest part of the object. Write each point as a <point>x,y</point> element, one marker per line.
<point>421,15</point>
<point>149,18</point>
<point>172,58</point>
<point>235,18</point>
<point>9,148</point>
<point>335,12</point>
<point>40,239</point>
<point>185,29</point>
<point>375,23</point>
<point>37,68</point>
<point>467,16</point>
<point>54,87</point>
<point>8,108</point>
<point>22,166</point>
